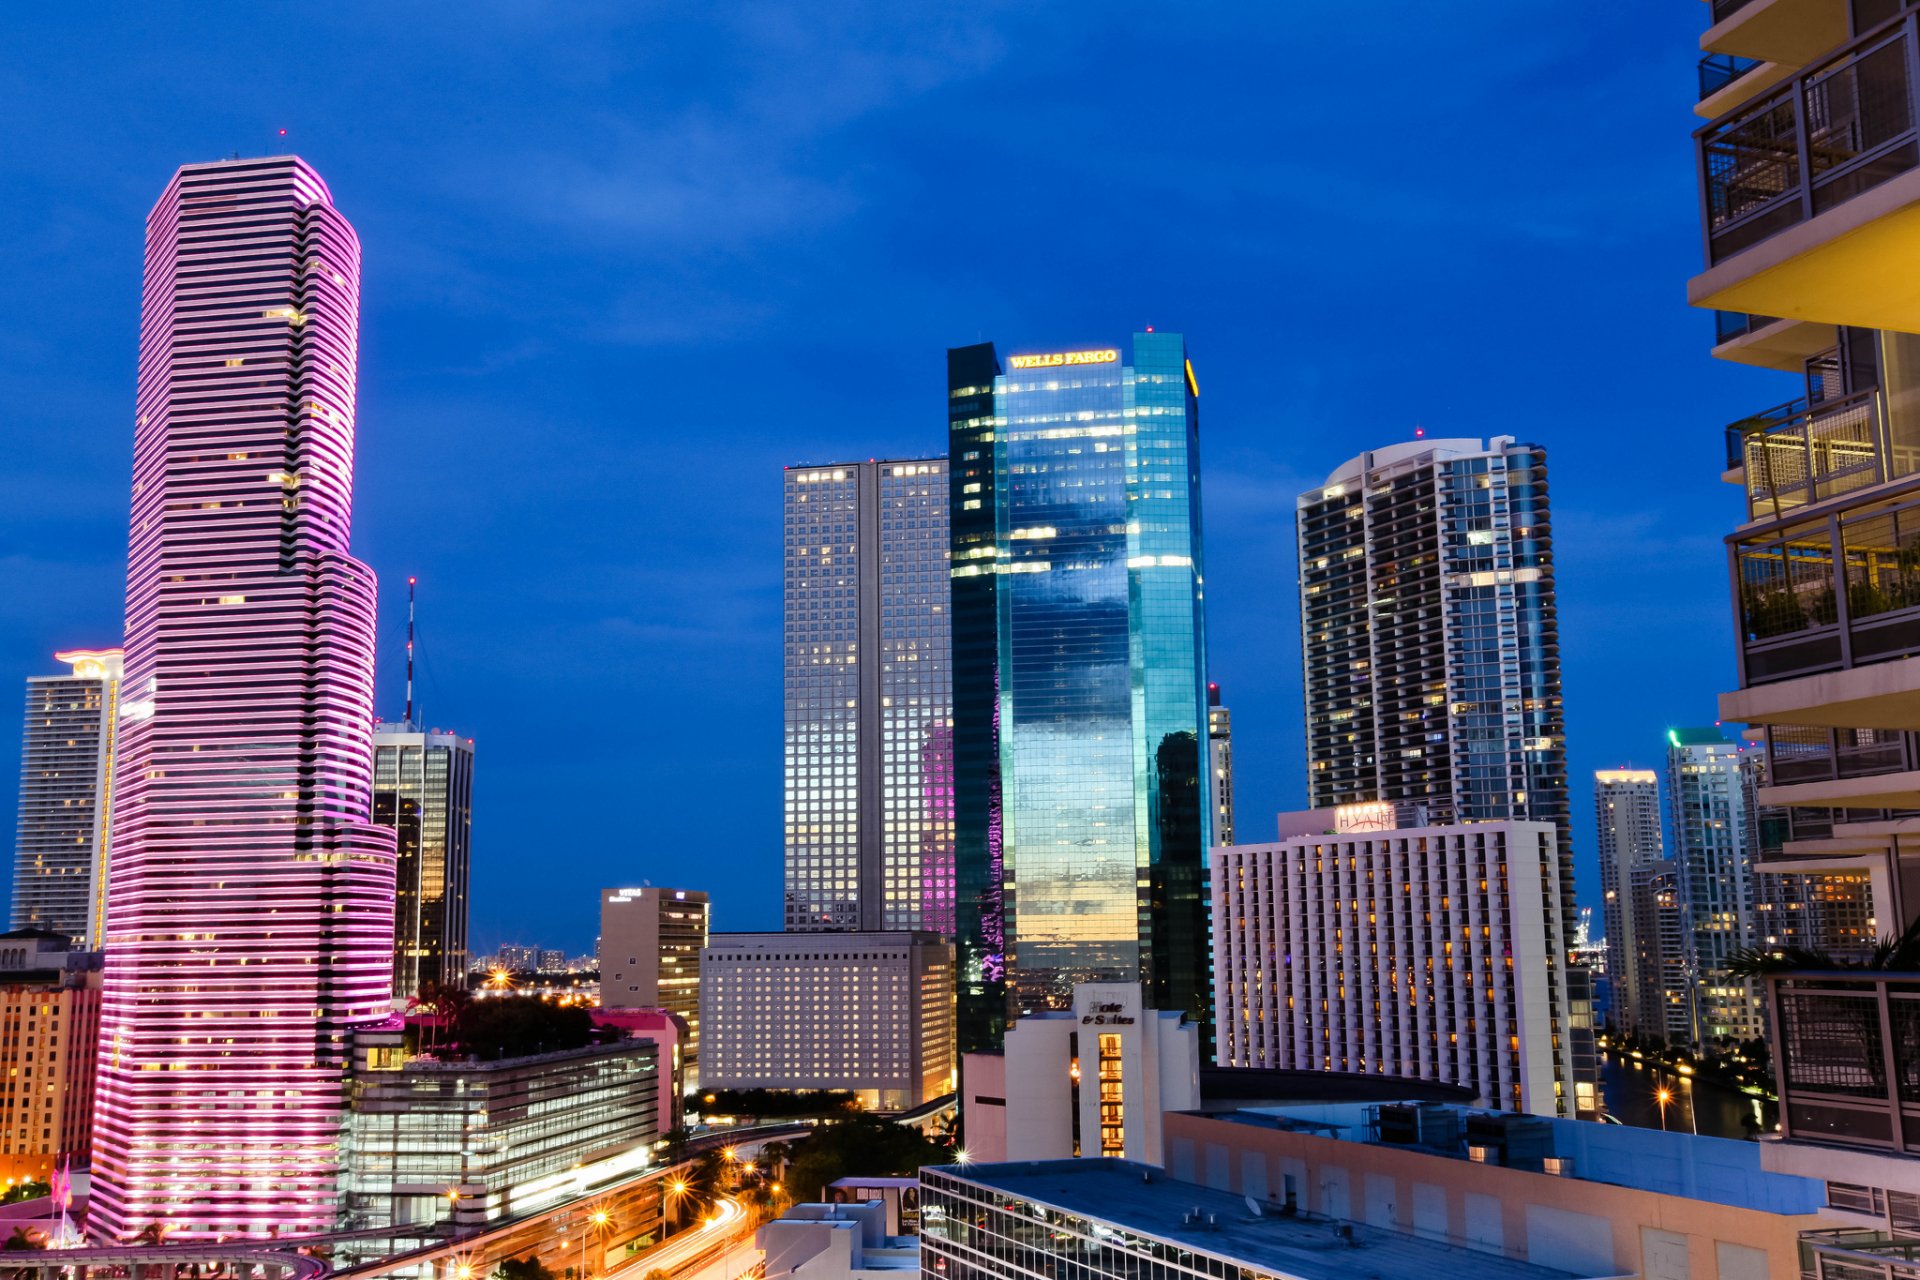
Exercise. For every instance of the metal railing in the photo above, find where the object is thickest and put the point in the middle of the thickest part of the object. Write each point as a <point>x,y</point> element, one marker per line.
<point>1847,1057</point>
<point>1847,1253</point>
<point>1718,70</point>
<point>1797,453</point>
<point>1838,128</point>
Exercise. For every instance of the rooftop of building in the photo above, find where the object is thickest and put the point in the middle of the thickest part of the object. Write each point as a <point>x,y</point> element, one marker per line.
<point>1717,1170</point>
<point>1407,453</point>
<point>1234,1088</point>
<point>43,935</point>
<point>1708,736</point>
<point>1377,818</point>
<point>819,941</point>
<point>1144,1201</point>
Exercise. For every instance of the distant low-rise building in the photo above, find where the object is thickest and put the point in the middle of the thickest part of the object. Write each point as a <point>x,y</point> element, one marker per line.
<point>869,1012</point>
<point>1092,1080</point>
<point>49,1033</point>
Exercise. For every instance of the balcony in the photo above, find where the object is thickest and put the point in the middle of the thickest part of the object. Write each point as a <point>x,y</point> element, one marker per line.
<point>1727,80</point>
<point>1848,1253</point>
<point>1768,341</point>
<point>1798,454</point>
<point>1847,1054</point>
<point>1791,31</point>
<point>1811,188</point>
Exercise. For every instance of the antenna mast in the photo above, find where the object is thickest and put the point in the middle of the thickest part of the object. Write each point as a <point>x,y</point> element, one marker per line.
<point>410,582</point>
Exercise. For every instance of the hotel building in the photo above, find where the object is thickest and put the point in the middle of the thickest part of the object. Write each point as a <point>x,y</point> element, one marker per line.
<point>1626,805</point>
<point>1431,655</point>
<point>651,941</point>
<point>423,789</point>
<point>869,1012</point>
<point>1083,811</point>
<point>251,926</point>
<point>66,788</point>
<point>1093,1080</point>
<point>49,1031</point>
<point>869,698</point>
<point>1427,953</point>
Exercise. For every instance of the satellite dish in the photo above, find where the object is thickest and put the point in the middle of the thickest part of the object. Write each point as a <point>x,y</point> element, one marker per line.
<point>1254,1206</point>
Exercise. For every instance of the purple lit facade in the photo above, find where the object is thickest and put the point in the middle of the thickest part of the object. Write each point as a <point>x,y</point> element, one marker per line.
<point>250,918</point>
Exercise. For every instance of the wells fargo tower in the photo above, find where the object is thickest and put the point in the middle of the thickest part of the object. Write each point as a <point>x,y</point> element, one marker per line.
<point>250,920</point>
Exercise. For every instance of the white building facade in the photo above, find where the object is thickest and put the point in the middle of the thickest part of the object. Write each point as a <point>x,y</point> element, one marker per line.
<point>869,1012</point>
<point>1426,952</point>
<point>1094,1080</point>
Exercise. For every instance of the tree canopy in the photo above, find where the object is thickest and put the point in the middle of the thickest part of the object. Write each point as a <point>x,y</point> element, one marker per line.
<point>862,1145</point>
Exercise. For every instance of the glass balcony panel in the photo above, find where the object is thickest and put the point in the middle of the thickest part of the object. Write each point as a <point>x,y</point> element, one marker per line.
<point>1846,124</point>
<point>1786,584</point>
<point>1718,70</point>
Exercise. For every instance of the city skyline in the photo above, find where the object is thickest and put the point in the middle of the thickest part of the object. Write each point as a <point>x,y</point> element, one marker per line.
<point>538,564</point>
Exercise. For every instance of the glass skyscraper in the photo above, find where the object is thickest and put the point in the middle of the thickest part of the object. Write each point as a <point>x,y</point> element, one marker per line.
<point>868,691</point>
<point>1080,730</point>
<point>66,774</point>
<point>1431,657</point>
<point>423,789</point>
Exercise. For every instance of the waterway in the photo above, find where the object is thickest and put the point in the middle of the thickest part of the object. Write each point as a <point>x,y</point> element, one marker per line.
<point>1630,1089</point>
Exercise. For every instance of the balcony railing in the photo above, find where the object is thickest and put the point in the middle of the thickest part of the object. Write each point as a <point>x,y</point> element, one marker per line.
<point>1841,127</point>
<point>1728,325</point>
<point>1718,70</point>
<point>1724,9</point>
<point>1833,591</point>
<point>1797,454</point>
<point>1846,1253</point>
<point>1847,1055</point>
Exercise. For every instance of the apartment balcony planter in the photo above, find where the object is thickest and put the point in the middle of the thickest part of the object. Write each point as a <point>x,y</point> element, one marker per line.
<point>1810,189</point>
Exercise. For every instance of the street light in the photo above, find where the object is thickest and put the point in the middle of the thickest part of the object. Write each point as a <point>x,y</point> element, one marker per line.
<point>1663,1096</point>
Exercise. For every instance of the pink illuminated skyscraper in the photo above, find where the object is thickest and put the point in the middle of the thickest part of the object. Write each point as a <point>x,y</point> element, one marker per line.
<point>250,900</point>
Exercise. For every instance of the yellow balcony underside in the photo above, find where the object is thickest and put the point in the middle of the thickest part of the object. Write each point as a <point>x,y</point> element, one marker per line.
<point>1847,266</point>
<point>1790,31</point>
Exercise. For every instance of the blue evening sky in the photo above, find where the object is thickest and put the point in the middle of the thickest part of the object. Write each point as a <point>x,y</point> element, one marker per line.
<point>624,260</point>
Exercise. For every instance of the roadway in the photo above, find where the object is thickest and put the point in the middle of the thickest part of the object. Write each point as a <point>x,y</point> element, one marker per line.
<point>696,1247</point>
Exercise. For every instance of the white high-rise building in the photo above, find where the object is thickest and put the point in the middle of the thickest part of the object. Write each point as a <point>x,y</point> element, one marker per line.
<point>66,772</point>
<point>1707,788</point>
<point>1424,952</point>
<point>1220,759</point>
<point>1626,805</point>
<point>869,698</point>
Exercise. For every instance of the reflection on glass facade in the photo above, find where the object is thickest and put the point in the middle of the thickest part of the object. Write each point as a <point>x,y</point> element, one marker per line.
<point>1079,652</point>
<point>423,789</point>
<point>869,740</point>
